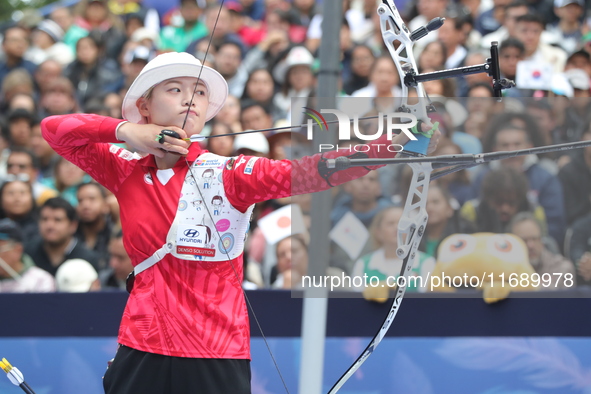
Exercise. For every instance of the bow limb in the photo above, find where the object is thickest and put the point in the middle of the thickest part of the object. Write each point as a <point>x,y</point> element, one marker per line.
<point>412,224</point>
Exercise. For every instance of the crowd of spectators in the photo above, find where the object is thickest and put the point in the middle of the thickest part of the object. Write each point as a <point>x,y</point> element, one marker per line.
<point>61,230</point>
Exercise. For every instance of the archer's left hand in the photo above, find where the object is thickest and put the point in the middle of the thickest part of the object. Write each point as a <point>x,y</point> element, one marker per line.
<point>402,139</point>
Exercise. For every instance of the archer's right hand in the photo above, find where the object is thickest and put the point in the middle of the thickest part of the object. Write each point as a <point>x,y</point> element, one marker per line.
<point>146,137</point>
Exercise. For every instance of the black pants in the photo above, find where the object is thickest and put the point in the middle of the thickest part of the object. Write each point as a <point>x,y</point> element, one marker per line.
<point>135,372</point>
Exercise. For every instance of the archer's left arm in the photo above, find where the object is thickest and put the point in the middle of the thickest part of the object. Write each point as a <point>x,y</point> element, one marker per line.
<point>249,180</point>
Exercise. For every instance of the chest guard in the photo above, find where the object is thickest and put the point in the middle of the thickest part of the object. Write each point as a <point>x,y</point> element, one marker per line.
<point>193,234</point>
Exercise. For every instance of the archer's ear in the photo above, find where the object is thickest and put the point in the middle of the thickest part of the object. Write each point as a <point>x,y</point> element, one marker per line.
<point>142,106</point>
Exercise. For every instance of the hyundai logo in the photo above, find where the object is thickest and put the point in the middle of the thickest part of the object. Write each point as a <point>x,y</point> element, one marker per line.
<point>191,233</point>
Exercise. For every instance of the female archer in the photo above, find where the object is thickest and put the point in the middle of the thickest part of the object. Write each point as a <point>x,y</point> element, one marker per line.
<point>185,327</point>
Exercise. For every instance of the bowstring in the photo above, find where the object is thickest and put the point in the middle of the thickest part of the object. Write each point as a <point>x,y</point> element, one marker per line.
<point>211,216</point>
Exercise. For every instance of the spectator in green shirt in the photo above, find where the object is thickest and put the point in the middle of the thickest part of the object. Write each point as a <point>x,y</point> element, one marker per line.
<point>178,38</point>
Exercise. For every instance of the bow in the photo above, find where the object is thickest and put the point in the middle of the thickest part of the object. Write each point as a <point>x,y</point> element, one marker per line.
<point>399,41</point>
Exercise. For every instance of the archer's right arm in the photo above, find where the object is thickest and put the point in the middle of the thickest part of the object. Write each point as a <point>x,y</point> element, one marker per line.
<point>84,139</point>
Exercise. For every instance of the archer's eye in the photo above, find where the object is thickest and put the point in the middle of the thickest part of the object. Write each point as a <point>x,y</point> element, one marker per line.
<point>201,92</point>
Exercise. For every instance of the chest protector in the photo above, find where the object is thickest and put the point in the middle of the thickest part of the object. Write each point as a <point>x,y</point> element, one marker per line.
<point>193,234</point>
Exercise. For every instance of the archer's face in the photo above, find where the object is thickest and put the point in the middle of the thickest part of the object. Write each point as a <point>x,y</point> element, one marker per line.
<point>169,101</point>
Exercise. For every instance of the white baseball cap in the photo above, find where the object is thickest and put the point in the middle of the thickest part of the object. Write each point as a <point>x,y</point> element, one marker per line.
<point>253,141</point>
<point>75,276</point>
<point>297,56</point>
<point>175,65</point>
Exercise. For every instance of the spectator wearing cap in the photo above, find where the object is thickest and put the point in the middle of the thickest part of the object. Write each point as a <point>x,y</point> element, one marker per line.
<point>64,17</point>
<point>253,144</point>
<point>567,32</point>
<point>47,44</point>
<point>134,61</point>
<point>95,16</point>
<point>20,123</point>
<point>529,30</point>
<point>579,59</point>
<point>14,45</point>
<point>93,74</point>
<point>77,276</point>
<point>57,225</point>
<point>177,38</point>
<point>228,62</point>
<point>114,277</point>
<point>23,101</point>
<point>18,273</point>
<point>296,77</point>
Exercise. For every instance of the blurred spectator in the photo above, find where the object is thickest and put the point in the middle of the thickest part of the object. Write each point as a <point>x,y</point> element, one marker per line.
<point>472,59</point>
<point>362,197</point>
<point>56,244</point>
<point>178,37</point>
<point>22,165</point>
<point>529,30</point>
<point>94,224</point>
<point>94,16</point>
<point>76,276</point>
<point>18,81</point>
<point>260,88</point>
<point>91,73</point>
<point>59,98</point>
<point>222,146</point>
<point>544,188</point>
<point>255,116</point>
<point>46,156</point>
<point>303,11</point>
<point>354,20</point>
<point>362,59</point>
<point>228,63</point>
<point>295,76</point>
<point>567,32</point>
<point>579,248</point>
<point>576,182</point>
<point>20,123</point>
<point>292,262</point>
<point>444,220</point>
<point>384,82</point>
<point>64,17</point>
<point>127,9</point>
<point>17,204</point>
<point>503,195</point>
<point>511,52</point>
<point>451,34</point>
<point>133,63</point>
<point>114,277</point>
<point>219,17</point>
<point>230,114</point>
<point>18,273</point>
<point>491,19</point>
<point>14,45</point>
<point>579,59</point>
<point>66,179</point>
<point>47,44</point>
<point>458,183</point>
<point>23,101</point>
<point>512,11</point>
<point>45,74</point>
<point>432,57</point>
<point>526,226</point>
<point>383,262</point>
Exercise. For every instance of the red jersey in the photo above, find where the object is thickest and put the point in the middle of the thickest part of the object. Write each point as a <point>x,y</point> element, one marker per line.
<point>180,308</point>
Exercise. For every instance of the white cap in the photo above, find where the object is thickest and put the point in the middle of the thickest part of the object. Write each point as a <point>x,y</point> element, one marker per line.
<point>75,276</point>
<point>175,65</point>
<point>253,141</point>
<point>560,85</point>
<point>578,78</point>
<point>562,3</point>
<point>296,57</point>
